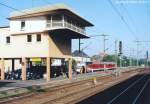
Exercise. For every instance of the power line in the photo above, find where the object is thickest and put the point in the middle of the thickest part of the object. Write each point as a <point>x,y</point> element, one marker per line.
<point>104,41</point>
<point>91,36</point>
<point>122,18</point>
<point>10,7</point>
<point>147,10</point>
<point>137,42</point>
<point>131,19</point>
<point>46,1</point>
<point>109,47</point>
<point>15,9</point>
<point>86,46</point>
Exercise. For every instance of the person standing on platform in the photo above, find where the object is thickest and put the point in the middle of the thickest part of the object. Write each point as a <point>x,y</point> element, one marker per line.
<point>19,70</point>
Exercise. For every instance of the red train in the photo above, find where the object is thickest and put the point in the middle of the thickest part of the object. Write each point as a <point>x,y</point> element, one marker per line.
<point>101,66</point>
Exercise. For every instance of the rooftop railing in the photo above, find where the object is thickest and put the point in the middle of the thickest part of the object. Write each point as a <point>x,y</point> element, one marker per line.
<point>51,24</point>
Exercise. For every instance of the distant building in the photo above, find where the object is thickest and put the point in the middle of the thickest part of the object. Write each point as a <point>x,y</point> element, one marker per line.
<point>40,34</point>
<point>81,56</point>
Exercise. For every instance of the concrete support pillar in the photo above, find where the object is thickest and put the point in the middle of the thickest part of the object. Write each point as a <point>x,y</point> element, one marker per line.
<point>51,21</point>
<point>70,68</point>
<point>2,69</point>
<point>30,65</point>
<point>13,69</point>
<point>24,77</point>
<point>63,20</point>
<point>48,68</point>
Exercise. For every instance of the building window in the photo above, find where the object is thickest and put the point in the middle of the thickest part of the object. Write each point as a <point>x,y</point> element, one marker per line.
<point>22,25</point>
<point>38,37</point>
<point>29,38</point>
<point>8,39</point>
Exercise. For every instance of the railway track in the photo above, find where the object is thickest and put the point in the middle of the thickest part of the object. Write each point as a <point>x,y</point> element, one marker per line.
<point>80,95</point>
<point>133,91</point>
<point>55,92</point>
<point>68,93</point>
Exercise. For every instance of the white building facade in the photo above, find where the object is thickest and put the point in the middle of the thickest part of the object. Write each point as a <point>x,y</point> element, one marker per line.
<point>44,32</point>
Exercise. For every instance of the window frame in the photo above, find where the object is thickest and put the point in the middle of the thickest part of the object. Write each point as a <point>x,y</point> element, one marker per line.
<point>7,39</point>
<point>38,39</point>
<point>23,24</point>
<point>29,38</point>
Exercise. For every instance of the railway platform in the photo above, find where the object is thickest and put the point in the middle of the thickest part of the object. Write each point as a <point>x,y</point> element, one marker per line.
<point>58,88</point>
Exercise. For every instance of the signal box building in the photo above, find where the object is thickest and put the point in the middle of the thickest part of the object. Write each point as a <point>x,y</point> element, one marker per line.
<point>40,34</point>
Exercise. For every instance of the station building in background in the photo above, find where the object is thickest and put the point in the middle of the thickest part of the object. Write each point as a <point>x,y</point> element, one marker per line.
<point>40,38</point>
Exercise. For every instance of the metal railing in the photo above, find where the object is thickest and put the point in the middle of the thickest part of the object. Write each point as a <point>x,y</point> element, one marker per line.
<point>64,24</point>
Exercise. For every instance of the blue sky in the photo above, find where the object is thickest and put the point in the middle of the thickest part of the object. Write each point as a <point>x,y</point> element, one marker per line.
<point>100,12</point>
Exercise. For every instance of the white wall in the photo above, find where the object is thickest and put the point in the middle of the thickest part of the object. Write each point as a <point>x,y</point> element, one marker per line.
<point>34,24</point>
<point>4,32</point>
<point>19,47</point>
<point>82,59</point>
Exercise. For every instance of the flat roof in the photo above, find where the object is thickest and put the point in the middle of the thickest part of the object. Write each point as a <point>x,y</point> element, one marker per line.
<point>47,10</point>
<point>4,27</point>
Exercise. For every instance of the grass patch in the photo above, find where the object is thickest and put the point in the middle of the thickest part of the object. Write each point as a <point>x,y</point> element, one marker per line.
<point>21,92</point>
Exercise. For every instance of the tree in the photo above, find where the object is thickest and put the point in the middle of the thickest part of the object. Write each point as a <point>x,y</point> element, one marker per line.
<point>95,57</point>
<point>109,58</point>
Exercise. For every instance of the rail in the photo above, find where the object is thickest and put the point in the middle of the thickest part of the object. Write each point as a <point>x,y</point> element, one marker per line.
<point>64,24</point>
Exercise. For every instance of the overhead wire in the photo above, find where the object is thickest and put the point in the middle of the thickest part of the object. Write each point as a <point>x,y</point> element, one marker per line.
<point>122,18</point>
<point>46,1</point>
<point>10,7</point>
<point>131,19</point>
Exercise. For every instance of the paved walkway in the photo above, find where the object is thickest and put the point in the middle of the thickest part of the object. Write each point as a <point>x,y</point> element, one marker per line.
<point>13,84</point>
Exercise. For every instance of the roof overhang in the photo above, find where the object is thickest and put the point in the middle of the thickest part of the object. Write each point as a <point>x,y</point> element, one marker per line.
<point>48,10</point>
<point>67,33</point>
<point>4,26</point>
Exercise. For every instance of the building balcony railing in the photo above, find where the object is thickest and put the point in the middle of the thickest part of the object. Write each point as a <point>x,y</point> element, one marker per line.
<point>64,24</point>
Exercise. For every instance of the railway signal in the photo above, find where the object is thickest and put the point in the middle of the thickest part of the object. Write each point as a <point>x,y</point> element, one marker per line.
<point>120,48</point>
<point>146,55</point>
<point>147,58</point>
<point>137,41</point>
<point>120,52</point>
